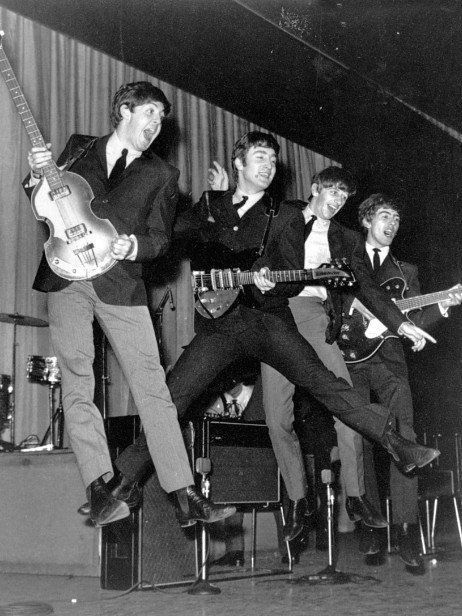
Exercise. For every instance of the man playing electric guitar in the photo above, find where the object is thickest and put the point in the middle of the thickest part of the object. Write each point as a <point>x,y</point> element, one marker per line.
<point>261,325</point>
<point>385,372</point>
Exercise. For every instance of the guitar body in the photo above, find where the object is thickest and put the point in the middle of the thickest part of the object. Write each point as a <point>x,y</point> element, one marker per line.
<point>361,337</point>
<point>79,245</point>
<point>214,304</point>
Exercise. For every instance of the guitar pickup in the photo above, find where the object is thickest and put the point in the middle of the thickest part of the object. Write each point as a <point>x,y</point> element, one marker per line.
<point>75,233</point>
<point>58,193</point>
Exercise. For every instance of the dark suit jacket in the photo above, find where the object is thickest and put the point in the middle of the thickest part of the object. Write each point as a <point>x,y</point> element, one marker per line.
<point>391,351</point>
<point>214,220</point>
<point>142,204</point>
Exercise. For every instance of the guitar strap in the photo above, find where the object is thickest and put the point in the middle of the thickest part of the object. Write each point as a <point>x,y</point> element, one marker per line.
<point>80,153</point>
<point>271,211</point>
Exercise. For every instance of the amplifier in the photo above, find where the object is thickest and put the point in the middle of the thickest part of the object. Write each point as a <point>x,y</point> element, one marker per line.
<point>244,468</point>
<point>149,546</point>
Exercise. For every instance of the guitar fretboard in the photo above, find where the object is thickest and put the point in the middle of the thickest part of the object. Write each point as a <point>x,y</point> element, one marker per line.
<point>51,171</point>
<point>411,303</point>
<point>274,276</point>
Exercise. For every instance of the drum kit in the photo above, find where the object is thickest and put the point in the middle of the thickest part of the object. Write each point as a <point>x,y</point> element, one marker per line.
<point>42,370</point>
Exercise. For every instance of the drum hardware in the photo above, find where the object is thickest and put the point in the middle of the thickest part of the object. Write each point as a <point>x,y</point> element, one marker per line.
<point>5,392</point>
<point>46,371</point>
<point>17,319</point>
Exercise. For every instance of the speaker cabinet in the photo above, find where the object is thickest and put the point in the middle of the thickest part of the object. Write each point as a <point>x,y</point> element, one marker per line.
<point>148,547</point>
<point>244,468</point>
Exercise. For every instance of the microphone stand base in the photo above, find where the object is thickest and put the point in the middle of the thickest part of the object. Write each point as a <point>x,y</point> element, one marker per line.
<point>203,587</point>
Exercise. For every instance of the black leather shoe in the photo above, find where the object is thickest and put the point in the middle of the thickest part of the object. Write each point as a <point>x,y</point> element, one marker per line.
<point>295,519</point>
<point>124,490</point>
<point>104,508</point>
<point>407,454</point>
<point>192,506</point>
<point>231,559</point>
<point>409,546</point>
<point>359,508</point>
<point>369,541</point>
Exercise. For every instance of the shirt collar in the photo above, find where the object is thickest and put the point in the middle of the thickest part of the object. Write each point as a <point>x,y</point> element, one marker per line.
<point>320,223</point>
<point>250,202</point>
<point>114,148</point>
<point>383,252</point>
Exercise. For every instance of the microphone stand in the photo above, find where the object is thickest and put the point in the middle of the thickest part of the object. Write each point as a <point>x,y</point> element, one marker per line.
<point>202,586</point>
<point>330,575</point>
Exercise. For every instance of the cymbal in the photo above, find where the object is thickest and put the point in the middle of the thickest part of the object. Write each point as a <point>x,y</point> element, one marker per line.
<point>20,319</point>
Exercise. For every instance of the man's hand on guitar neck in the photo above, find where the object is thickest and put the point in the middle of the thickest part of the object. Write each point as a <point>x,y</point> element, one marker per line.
<point>454,299</point>
<point>415,334</point>
<point>38,157</point>
<point>261,282</point>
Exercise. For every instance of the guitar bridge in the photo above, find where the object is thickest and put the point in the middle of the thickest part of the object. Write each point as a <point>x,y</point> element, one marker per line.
<point>87,256</point>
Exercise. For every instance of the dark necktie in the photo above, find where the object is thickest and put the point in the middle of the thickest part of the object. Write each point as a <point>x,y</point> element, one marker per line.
<point>240,203</point>
<point>376,259</point>
<point>309,226</point>
<point>117,169</point>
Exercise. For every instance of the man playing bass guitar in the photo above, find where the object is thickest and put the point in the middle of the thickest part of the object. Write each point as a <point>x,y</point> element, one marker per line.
<point>137,192</point>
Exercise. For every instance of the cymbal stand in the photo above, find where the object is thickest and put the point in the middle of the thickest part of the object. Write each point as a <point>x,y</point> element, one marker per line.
<point>56,418</point>
<point>11,413</point>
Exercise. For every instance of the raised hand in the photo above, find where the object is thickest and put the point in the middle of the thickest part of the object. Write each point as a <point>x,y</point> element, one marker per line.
<point>217,177</point>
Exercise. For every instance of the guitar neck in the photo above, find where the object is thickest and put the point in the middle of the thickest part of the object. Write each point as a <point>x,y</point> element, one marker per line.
<point>411,303</point>
<point>221,279</point>
<point>51,171</point>
<point>242,278</point>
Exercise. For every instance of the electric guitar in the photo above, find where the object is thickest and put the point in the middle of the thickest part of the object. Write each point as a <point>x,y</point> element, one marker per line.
<point>217,290</point>
<point>362,334</point>
<point>79,245</point>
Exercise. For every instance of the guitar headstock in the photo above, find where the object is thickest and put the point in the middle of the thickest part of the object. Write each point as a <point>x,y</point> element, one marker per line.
<point>335,275</point>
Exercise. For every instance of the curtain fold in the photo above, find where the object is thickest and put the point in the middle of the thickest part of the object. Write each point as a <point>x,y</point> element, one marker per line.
<point>69,87</point>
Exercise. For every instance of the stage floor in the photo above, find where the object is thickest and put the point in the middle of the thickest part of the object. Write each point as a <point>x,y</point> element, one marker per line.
<point>386,590</point>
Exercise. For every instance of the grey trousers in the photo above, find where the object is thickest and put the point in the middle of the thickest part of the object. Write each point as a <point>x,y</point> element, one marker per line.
<point>131,334</point>
<point>311,320</point>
